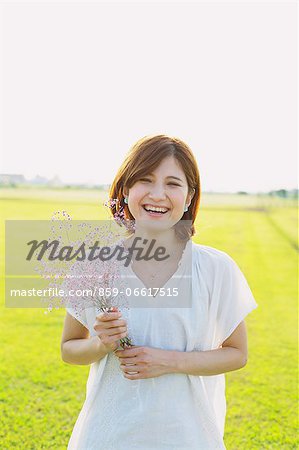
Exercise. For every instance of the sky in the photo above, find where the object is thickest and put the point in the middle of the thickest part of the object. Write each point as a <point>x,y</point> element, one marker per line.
<point>83,81</point>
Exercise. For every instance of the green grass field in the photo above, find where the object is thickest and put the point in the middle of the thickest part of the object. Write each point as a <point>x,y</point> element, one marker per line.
<point>41,396</point>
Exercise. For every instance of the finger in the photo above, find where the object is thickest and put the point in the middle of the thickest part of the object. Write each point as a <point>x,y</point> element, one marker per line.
<point>108,316</point>
<point>114,331</point>
<point>130,368</point>
<point>108,329</point>
<point>112,339</point>
<point>135,372</point>
<point>128,360</point>
<point>134,350</point>
<point>130,376</point>
<point>114,323</point>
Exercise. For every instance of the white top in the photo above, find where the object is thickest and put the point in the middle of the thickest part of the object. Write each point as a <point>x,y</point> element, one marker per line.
<point>173,411</point>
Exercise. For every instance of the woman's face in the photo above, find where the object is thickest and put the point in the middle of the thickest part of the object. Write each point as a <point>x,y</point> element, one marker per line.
<point>166,188</point>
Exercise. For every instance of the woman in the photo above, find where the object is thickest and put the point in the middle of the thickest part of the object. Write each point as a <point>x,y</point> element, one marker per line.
<point>168,390</point>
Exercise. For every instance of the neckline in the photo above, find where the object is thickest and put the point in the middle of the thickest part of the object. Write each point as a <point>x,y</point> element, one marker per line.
<point>179,267</point>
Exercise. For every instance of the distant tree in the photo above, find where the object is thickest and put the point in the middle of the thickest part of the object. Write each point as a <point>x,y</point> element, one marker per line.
<point>282,193</point>
<point>242,193</point>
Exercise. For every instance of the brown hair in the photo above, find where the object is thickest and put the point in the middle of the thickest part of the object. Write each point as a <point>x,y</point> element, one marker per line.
<point>144,157</point>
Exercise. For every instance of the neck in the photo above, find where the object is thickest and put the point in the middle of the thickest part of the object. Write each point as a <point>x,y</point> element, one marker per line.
<point>165,238</point>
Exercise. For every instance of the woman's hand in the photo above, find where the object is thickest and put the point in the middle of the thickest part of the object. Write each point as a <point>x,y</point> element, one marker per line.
<point>148,362</point>
<point>110,329</point>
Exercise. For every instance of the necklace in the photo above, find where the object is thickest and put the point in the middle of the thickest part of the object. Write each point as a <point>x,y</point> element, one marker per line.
<point>152,276</point>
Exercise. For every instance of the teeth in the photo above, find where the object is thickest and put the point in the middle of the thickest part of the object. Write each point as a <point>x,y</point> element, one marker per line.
<point>152,208</point>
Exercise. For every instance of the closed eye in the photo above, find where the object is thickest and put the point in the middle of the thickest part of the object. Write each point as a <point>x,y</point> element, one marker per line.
<point>170,184</point>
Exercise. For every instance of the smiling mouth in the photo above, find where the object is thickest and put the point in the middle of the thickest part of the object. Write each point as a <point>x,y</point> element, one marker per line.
<point>156,211</point>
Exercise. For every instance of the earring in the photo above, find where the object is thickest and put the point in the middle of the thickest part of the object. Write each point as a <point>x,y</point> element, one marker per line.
<point>126,200</point>
<point>186,208</point>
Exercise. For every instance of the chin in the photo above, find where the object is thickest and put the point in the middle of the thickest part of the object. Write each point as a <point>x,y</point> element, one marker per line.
<point>154,225</point>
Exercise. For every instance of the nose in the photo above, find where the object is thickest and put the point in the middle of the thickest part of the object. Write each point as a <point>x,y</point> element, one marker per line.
<point>157,192</point>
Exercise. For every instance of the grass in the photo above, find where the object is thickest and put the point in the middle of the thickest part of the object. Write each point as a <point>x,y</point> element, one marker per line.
<point>41,396</point>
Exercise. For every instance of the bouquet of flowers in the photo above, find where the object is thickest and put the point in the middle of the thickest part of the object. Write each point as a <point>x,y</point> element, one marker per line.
<point>95,281</point>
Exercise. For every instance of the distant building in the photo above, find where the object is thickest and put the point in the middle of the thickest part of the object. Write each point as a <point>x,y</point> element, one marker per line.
<point>55,182</point>
<point>39,180</point>
<point>7,180</point>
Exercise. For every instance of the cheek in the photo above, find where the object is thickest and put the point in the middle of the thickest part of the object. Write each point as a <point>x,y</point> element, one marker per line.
<point>178,197</point>
<point>136,196</point>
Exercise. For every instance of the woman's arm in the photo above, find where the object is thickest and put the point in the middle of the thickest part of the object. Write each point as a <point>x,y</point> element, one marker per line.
<point>151,362</point>
<point>77,347</point>
<point>232,356</point>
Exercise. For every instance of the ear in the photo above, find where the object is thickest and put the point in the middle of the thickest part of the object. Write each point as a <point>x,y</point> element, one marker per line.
<point>190,197</point>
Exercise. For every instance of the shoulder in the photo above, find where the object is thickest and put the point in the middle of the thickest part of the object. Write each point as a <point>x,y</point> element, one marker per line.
<point>211,264</point>
<point>210,256</point>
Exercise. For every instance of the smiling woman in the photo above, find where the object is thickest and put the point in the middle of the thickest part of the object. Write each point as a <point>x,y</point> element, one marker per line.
<point>166,166</point>
<point>172,378</point>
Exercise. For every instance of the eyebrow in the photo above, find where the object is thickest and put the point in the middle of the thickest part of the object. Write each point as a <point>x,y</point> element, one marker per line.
<point>176,178</point>
<point>171,176</point>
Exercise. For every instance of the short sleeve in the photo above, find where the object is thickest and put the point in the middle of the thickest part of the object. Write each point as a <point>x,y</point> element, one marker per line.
<point>235,299</point>
<point>75,305</point>
<point>80,315</point>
